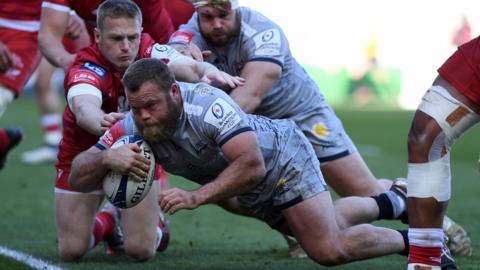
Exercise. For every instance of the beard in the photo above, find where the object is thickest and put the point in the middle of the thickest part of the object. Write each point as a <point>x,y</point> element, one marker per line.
<point>156,131</point>
<point>221,37</point>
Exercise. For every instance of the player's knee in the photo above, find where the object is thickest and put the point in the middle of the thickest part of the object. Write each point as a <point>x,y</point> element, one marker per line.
<point>71,250</point>
<point>138,250</point>
<point>328,257</point>
<point>327,253</point>
<point>418,142</point>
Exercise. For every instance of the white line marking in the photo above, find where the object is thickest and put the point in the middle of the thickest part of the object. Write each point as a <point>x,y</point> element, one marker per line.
<point>27,259</point>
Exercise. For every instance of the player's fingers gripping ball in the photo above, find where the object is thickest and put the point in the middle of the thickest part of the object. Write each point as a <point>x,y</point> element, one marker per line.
<point>121,190</point>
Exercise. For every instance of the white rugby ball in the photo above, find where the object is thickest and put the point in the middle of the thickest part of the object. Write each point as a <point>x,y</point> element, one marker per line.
<point>119,189</point>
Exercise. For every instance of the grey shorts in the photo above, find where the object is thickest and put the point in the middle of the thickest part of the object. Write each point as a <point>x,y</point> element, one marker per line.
<point>294,177</point>
<point>325,132</point>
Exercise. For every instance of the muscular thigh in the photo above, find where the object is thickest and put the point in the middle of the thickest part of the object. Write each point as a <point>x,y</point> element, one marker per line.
<point>75,213</point>
<point>139,223</point>
<point>312,222</point>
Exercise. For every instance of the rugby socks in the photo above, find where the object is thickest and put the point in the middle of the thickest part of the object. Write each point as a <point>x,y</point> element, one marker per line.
<point>4,140</point>
<point>104,225</point>
<point>159,238</point>
<point>406,242</point>
<point>163,235</point>
<point>51,124</point>
<point>390,205</point>
<point>161,176</point>
<point>425,247</point>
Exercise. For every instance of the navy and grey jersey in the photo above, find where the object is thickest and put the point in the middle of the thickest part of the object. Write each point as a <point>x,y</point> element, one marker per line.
<point>295,96</point>
<point>209,119</point>
<point>260,39</point>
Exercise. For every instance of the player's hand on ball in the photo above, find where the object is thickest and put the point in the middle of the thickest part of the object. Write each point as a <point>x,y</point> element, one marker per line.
<point>174,199</point>
<point>127,160</point>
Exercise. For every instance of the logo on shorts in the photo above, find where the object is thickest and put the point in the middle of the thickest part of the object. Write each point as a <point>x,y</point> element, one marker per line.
<point>267,36</point>
<point>320,130</point>
<point>217,110</point>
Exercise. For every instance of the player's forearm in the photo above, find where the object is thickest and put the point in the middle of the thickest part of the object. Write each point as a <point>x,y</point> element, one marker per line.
<point>89,117</point>
<point>247,100</point>
<point>250,95</point>
<point>205,68</point>
<point>54,51</point>
<point>88,170</point>
<point>241,175</point>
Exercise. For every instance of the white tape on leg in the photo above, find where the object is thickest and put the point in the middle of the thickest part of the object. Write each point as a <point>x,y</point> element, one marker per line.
<point>431,179</point>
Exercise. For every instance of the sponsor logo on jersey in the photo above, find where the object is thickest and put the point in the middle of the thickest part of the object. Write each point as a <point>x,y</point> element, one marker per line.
<point>203,90</point>
<point>267,36</point>
<point>84,77</point>
<point>100,71</point>
<point>192,109</point>
<point>268,43</point>
<point>161,48</point>
<point>217,110</point>
<point>320,130</point>
<point>222,115</point>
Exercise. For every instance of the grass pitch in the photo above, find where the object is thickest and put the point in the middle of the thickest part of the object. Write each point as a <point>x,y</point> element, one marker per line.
<point>209,238</point>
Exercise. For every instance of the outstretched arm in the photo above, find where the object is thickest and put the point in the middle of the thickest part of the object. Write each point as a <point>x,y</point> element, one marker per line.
<point>189,70</point>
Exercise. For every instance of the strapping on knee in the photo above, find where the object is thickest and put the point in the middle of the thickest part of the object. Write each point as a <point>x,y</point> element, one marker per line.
<point>431,179</point>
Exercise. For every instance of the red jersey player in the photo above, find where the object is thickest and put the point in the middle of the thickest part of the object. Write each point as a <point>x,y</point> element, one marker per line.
<point>156,22</point>
<point>19,57</point>
<point>449,108</point>
<point>95,96</point>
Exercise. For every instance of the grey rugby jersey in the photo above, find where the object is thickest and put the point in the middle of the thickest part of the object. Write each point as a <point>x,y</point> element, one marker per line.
<point>260,39</point>
<point>208,120</point>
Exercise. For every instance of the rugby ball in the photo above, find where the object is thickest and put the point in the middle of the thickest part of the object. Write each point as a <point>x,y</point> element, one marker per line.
<point>119,189</point>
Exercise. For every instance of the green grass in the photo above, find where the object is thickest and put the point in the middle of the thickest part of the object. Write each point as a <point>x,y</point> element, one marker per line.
<point>209,238</point>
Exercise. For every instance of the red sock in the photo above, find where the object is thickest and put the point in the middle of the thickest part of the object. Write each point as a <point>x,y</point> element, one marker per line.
<point>104,225</point>
<point>161,176</point>
<point>425,255</point>
<point>4,140</point>
<point>163,235</point>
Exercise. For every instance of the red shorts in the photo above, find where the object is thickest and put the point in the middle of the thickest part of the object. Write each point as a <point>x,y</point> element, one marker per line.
<point>26,57</point>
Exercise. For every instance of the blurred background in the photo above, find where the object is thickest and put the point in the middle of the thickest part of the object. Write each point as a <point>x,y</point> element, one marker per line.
<point>373,54</point>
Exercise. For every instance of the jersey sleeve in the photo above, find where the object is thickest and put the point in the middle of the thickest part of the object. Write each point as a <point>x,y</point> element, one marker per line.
<point>59,5</point>
<point>268,45</point>
<point>86,72</point>
<point>122,128</point>
<point>167,54</point>
<point>223,119</point>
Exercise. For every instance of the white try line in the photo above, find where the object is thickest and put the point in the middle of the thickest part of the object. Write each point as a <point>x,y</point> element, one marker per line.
<point>27,259</point>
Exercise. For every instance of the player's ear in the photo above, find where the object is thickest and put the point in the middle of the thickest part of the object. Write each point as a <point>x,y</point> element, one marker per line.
<point>96,33</point>
<point>174,89</point>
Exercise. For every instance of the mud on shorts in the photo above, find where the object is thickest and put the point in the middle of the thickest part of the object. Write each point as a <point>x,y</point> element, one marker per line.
<point>295,177</point>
